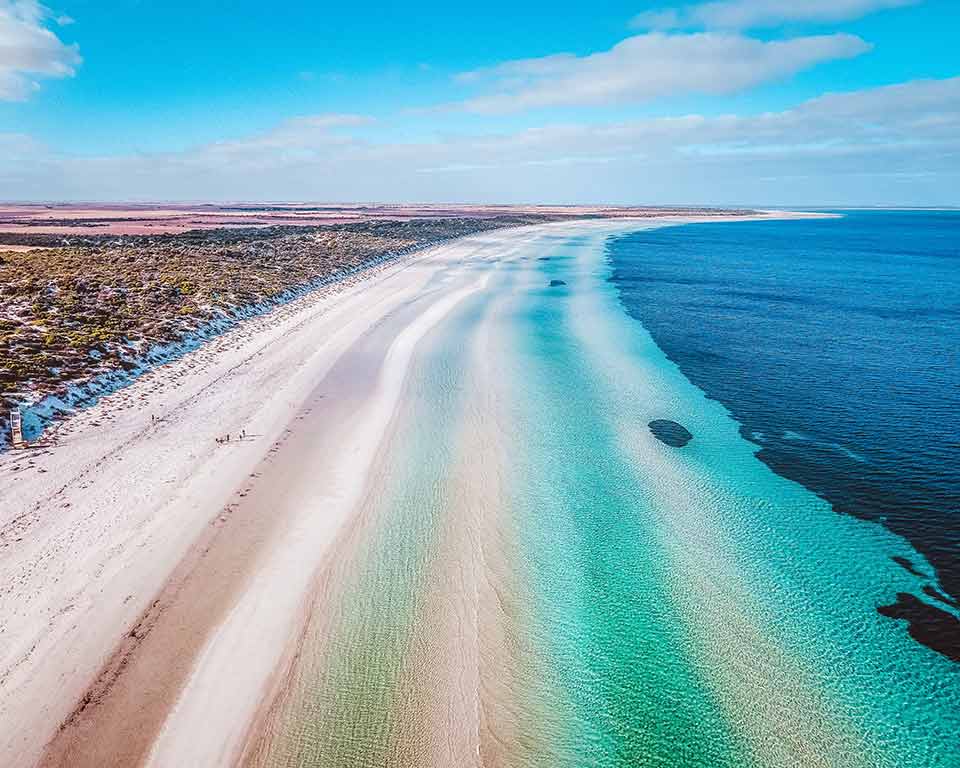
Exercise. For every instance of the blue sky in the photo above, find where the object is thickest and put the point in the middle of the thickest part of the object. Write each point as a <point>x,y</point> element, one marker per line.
<point>776,102</point>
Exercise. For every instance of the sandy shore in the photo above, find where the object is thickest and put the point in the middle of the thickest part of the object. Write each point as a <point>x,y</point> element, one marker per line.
<point>109,537</point>
<point>153,578</point>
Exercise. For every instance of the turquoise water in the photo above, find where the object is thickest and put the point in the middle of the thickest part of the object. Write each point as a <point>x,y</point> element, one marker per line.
<point>616,645</point>
<point>538,577</point>
<point>700,609</point>
<point>835,343</point>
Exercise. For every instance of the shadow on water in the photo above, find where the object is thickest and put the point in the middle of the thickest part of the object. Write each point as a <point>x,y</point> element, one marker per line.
<point>670,432</point>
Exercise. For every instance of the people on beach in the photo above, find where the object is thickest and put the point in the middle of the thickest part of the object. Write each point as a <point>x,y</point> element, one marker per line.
<point>241,435</point>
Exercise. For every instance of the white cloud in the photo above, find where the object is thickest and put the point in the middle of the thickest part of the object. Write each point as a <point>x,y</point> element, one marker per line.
<point>747,14</point>
<point>898,144</point>
<point>29,50</point>
<point>905,120</point>
<point>647,66</point>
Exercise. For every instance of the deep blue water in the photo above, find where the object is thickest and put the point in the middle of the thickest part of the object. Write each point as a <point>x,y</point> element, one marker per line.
<point>836,345</point>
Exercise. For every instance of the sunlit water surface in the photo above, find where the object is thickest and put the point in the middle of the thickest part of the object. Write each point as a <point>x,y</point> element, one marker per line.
<point>618,601</point>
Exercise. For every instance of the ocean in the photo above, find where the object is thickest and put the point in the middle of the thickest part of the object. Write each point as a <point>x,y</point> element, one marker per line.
<point>835,343</point>
<point>586,544</point>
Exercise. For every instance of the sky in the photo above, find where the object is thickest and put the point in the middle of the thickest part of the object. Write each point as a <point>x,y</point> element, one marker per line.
<point>725,102</point>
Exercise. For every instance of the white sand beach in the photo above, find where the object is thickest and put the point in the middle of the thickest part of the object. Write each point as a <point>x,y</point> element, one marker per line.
<point>154,575</point>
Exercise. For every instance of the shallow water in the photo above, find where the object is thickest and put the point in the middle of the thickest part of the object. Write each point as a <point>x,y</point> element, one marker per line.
<point>538,580</point>
<point>835,344</point>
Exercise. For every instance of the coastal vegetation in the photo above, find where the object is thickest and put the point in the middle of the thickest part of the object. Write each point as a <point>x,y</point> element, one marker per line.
<point>100,303</point>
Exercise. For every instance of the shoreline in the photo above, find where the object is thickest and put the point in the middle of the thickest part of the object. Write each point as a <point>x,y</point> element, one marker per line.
<point>43,409</point>
<point>94,536</point>
<point>48,398</point>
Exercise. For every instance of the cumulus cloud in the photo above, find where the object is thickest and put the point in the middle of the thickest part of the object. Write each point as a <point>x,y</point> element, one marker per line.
<point>894,144</point>
<point>648,66</point>
<point>902,120</point>
<point>747,14</point>
<point>29,50</point>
